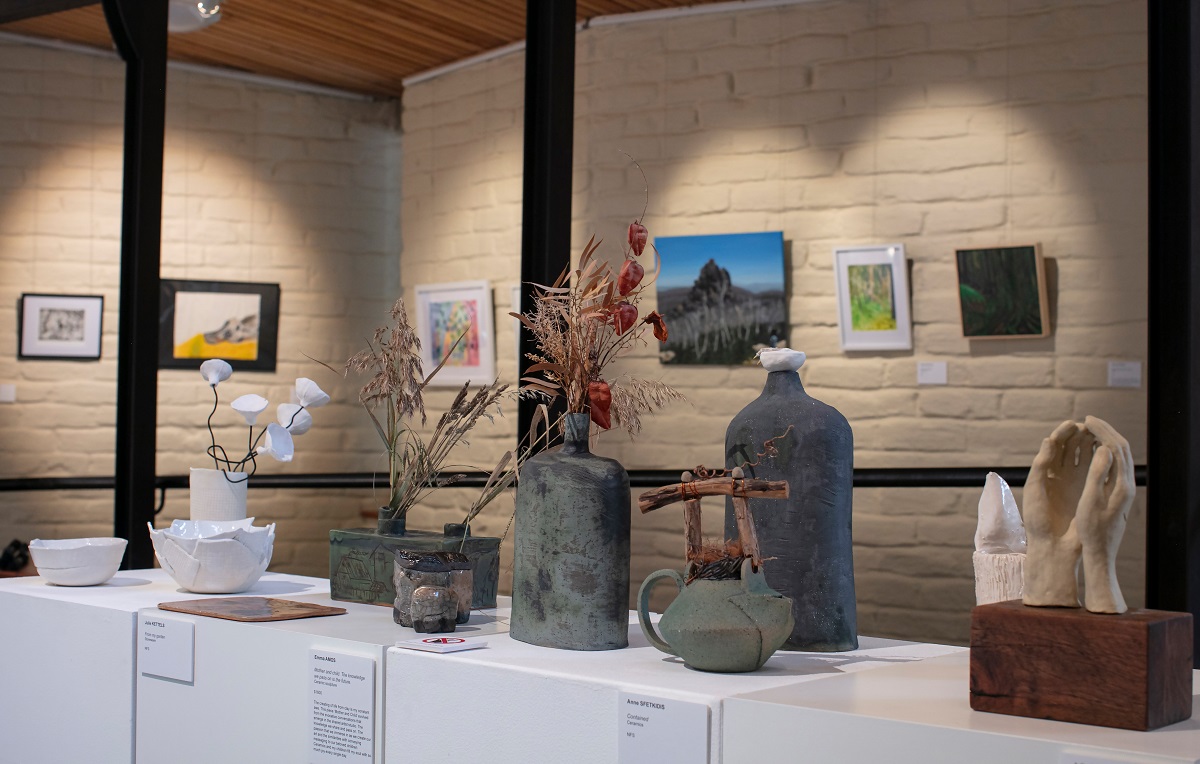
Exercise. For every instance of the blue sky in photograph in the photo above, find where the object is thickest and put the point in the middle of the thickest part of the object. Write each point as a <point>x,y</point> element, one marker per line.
<point>754,260</point>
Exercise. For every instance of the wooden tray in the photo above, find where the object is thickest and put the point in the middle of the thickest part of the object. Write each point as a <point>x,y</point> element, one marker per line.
<point>251,608</point>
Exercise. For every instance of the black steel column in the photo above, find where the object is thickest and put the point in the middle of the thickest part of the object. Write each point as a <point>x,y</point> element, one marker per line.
<point>1173,444</point>
<point>549,132</point>
<point>139,29</point>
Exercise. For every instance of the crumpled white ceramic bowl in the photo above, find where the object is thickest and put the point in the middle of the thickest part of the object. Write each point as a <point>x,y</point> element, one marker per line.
<point>77,562</point>
<point>214,556</point>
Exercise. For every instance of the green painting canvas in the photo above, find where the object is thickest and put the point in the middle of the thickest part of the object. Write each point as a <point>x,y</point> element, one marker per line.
<point>872,298</point>
<point>1000,292</point>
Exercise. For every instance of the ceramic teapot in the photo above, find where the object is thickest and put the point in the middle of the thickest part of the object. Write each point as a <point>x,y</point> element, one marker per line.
<point>730,625</point>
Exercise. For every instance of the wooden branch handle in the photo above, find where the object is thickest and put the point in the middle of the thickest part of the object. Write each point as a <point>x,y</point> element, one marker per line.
<point>661,497</point>
<point>691,524</point>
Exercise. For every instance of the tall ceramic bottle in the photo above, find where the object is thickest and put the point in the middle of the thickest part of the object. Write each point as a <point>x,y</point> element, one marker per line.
<point>571,548</point>
<point>807,537</point>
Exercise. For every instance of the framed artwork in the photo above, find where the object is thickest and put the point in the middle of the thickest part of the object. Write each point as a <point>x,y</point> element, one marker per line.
<point>234,320</point>
<point>446,312</point>
<point>873,301</point>
<point>723,297</point>
<point>59,327</point>
<point>1002,293</point>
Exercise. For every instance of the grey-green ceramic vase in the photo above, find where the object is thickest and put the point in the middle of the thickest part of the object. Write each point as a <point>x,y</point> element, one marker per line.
<point>729,626</point>
<point>571,548</point>
<point>806,536</point>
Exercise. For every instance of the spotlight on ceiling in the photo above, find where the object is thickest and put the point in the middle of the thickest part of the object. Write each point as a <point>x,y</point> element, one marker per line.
<point>190,15</point>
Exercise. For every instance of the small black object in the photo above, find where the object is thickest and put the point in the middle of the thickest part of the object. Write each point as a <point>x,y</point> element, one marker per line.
<point>15,556</point>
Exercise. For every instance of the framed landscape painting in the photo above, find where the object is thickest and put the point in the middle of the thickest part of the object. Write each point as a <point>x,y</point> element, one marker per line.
<point>234,320</point>
<point>723,297</point>
<point>873,300</point>
<point>1002,293</point>
<point>448,312</point>
<point>59,327</point>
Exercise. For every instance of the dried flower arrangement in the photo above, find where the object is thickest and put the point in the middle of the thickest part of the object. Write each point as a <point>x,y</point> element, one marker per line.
<point>275,439</point>
<point>582,322</point>
<point>394,398</point>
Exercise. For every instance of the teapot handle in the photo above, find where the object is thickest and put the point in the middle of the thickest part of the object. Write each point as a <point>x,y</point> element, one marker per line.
<point>644,607</point>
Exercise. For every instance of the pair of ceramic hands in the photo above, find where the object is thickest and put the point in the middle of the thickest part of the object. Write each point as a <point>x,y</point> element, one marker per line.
<point>1076,503</point>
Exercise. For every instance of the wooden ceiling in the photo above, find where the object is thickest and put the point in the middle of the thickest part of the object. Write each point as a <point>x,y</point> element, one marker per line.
<point>364,46</point>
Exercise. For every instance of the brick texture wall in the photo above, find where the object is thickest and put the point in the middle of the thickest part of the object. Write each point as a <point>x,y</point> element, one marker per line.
<point>940,125</point>
<point>260,184</point>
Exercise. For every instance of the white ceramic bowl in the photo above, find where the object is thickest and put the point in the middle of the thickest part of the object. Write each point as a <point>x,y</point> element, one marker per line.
<point>212,557</point>
<point>77,562</point>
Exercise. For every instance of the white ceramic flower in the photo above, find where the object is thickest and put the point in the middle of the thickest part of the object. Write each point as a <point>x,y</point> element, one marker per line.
<point>250,406</point>
<point>295,419</point>
<point>215,370</point>
<point>277,444</point>
<point>309,394</point>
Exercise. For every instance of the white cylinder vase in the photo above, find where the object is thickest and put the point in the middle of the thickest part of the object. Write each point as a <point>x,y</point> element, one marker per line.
<point>217,495</point>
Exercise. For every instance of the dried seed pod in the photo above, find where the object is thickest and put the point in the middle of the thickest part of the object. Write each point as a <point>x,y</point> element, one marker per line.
<point>637,237</point>
<point>655,319</point>
<point>631,275</point>
<point>600,400</point>
<point>624,317</point>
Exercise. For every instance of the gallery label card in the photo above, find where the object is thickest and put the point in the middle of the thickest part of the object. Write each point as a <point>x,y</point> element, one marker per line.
<point>342,708</point>
<point>652,730</point>
<point>167,648</point>
<point>1124,373</point>
<point>931,372</point>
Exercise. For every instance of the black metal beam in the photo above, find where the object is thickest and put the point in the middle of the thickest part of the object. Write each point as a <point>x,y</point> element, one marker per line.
<point>549,136</point>
<point>139,29</point>
<point>1173,368</point>
<point>19,10</point>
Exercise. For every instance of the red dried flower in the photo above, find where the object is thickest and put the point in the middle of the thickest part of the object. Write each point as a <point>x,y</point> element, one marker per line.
<point>655,319</point>
<point>624,316</point>
<point>599,400</point>
<point>631,275</point>
<point>637,237</point>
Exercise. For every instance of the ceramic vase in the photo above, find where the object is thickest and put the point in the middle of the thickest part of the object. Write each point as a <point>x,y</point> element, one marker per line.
<point>217,495</point>
<point>806,536</point>
<point>362,560</point>
<point>571,548</point>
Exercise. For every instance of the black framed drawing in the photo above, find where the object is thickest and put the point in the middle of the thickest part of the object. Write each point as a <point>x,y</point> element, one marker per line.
<point>59,327</point>
<point>234,320</point>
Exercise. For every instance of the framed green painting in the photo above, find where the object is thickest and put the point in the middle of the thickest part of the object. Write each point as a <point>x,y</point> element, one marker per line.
<point>873,299</point>
<point>1002,293</point>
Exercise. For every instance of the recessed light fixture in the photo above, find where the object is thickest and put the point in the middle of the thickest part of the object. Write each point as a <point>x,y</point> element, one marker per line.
<point>190,15</point>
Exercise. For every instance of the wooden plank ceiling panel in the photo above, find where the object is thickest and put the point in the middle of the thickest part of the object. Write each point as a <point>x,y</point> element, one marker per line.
<point>363,46</point>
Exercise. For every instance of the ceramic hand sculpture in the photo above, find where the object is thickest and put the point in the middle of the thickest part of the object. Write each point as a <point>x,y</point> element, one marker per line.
<point>999,544</point>
<point>1077,500</point>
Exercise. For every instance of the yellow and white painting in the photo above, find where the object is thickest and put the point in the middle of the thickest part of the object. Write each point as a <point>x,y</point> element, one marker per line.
<point>217,325</point>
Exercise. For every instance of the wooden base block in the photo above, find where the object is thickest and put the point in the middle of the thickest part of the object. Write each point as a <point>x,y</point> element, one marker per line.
<point>1132,670</point>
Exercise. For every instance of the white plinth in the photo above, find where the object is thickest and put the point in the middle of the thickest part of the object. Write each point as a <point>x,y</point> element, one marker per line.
<point>67,658</point>
<point>524,703</point>
<point>920,712</point>
<point>250,699</point>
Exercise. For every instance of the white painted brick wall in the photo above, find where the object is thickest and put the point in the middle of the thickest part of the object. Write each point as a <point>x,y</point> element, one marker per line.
<point>260,184</point>
<point>942,125</point>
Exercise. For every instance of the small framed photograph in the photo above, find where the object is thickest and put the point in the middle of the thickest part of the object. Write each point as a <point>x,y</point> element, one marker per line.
<point>1002,293</point>
<point>873,299</point>
<point>59,327</point>
<point>446,312</point>
<point>233,320</point>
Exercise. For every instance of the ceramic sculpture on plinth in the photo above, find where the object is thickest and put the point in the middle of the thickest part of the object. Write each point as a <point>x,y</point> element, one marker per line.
<point>433,590</point>
<point>571,528</point>
<point>726,618</point>
<point>1077,500</point>
<point>808,540</point>
<point>999,557</point>
<point>361,560</point>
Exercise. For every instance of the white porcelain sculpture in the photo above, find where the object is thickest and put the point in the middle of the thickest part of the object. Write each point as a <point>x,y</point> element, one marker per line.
<point>213,557</point>
<point>999,544</point>
<point>217,494</point>
<point>1077,501</point>
<point>77,562</point>
<point>780,359</point>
